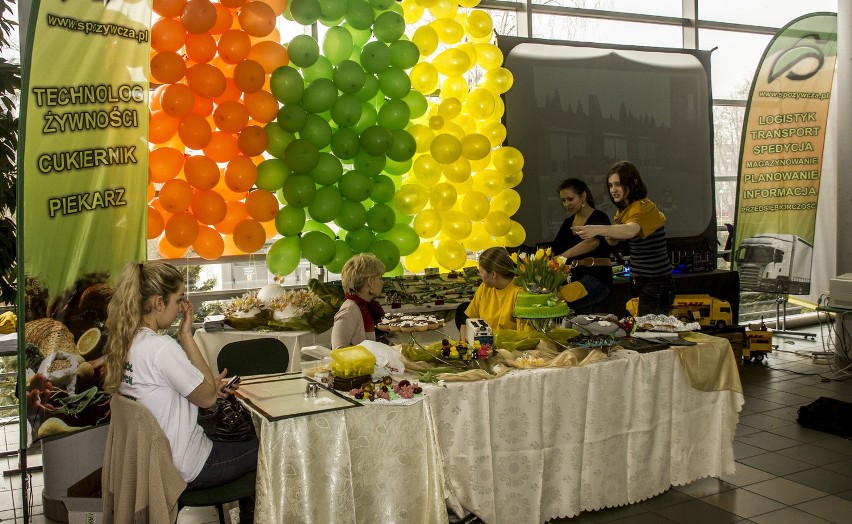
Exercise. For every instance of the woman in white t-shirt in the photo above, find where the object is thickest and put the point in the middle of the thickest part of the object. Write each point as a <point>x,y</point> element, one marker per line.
<point>170,378</point>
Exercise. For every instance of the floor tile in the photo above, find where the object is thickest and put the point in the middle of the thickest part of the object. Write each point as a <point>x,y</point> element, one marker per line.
<point>800,433</point>
<point>844,467</point>
<point>769,441</point>
<point>743,450</point>
<point>776,464</point>
<point>821,479</point>
<point>706,486</point>
<point>746,475</point>
<point>763,422</point>
<point>759,405</point>
<point>789,413</point>
<point>742,502</point>
<point>788,516</point>
<point>697,512</point>
<point>846,495</point>
<point>743,430</point>
<point>786,491</point>
<point>832,509</point>
<point>811,454</point>
<point>669,498</point>
<point>834,443</point>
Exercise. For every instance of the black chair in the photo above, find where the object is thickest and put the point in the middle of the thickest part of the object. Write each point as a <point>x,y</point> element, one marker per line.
<point>256,356</point>
<point>239,488</point>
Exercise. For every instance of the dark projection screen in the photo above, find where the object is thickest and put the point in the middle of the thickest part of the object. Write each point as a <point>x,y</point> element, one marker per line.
<point>573,111</point>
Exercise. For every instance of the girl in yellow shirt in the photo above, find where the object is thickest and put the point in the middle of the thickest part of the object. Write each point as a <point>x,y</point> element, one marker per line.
<point>494,299</point>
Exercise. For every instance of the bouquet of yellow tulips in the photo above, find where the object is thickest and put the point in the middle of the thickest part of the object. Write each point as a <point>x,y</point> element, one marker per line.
<point>542,272</point>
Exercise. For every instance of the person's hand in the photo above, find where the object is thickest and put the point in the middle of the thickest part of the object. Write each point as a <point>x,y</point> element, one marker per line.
<point>221,381</point>
<point>584,232</point>
<point>185,327</point>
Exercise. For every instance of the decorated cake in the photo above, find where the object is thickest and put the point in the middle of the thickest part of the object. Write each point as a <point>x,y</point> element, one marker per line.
<point>536,305</point>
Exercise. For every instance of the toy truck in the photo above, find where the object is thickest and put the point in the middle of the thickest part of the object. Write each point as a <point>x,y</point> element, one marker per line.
<point>704,309</point>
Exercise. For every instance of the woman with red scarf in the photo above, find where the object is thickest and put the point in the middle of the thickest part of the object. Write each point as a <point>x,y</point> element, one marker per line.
<point>356,320</point>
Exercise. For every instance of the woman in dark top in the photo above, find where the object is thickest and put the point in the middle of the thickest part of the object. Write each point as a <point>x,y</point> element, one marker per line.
<point>589,258</point>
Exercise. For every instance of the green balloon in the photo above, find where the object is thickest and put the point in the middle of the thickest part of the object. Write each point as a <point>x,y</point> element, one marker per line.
<point>287,85</point>
<point>347,111</point>
<point>301,156</point>
<point>326,205</point>
<point>359,36</point>
<point>380,5</point>
<point>271,174</point>
<point>370,89</point>
<point>375,56</point>
<point>292,117</point>
<point>316,131</point>
<point>313,225</point>
<point>284,255</point>
<point>394,114</point>
<point>290,220</point>
<point>383,189</point>
<point>397,169</point>
<point>386,252</point>
<point>278,139</point>
<point>355,185</point>
<point>389,26</point>
<point>404,54</point>
<point>376,140</point>
<point>342,253</point>
<point>396,7</point>
<point>369,164</point>
<point>344,143</point>
<point>416,102</point>
<point>299,190</point>
<point>322,68</point>
<point>394,82</point>
<point>303,50</point>
<point>337,45</point>
<point>305,12</point>
<point>381,218</point>
<point>328,170</point>
<point>317,248</point>
<point>403,237</point>
<point>349,76</point>
<point>403,146</point>
<point>359,14</point>
<point>352,216</point>
<point>397,271</point>
<point>368,117</point>
<point>332,10</point>
<point>360,239</point>
<point>320,95</point>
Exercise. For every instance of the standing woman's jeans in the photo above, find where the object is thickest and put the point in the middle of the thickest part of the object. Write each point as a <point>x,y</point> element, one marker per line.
<point>656,294</point>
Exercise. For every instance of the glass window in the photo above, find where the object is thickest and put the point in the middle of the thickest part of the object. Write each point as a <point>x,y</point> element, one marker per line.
<point>505,21</point>
<point>579,29</point>
<point>649,7</point>
<point>734,63</point>
<point>772,13</point>
<point>727,127</point>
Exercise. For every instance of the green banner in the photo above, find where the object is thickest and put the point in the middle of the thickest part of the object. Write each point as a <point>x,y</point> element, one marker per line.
<point>781,156</point>
<point>83,173</point>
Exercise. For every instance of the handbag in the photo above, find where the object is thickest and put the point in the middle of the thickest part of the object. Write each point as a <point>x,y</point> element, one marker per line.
<point>227,420</point>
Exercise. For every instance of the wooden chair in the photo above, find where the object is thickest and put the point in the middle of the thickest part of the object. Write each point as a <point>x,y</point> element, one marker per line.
<point>256,356</point>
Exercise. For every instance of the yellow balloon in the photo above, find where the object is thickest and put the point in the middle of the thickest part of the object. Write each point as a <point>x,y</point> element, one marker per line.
<point>427,223</point>
<point>507,201</point>
<point>469,50</point>
<point>452,128</point>
<point>422,257</point>
<point>449,31</point>
<point>513,180</point>
<point>411,11</point>
<point>454,87</point>
<point>479,24</point>
<point>442,196</point>
<point>479,239</point>
<point>436,122</point>
<point>467,123</point>
<point>498,80</point>
<point>458,171</point>
<point>427,170</point>
<point>480,165</point>
<point>515,237</point>
<point>488,56</point>
<point>475,205</point>
<point>488,182</point>
<point>497,223</point>
<point>424,78</point>
<point>467,4</point>
<point>410,199</point>
<point>444,9</point>
<point>450,255</point>
<point>449,108</point>
<point>426,39</point>
<point>495,132</point>
<point>445,148</point>
<point>452,62</point>
<point>499,109</point>
<point>463,188</point>
<point>423,137</point>
<point>427,3</point>
<point>475,146</point>
<point>456,225</point>
<point>507,160</point>
<point>480,103</point>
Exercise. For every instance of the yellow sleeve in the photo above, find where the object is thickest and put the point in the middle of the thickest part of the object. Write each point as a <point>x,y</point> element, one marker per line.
<point>645,214</point>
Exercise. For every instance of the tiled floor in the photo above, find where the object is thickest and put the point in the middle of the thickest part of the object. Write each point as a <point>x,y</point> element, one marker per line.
<point>785,473</point>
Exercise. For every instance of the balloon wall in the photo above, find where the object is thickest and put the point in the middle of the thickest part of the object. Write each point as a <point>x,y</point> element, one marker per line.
<point>371,139</point>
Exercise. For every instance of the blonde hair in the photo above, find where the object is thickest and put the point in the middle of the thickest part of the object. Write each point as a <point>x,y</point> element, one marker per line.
<point>358,269</point>
<point>135,286</point>
<point>497,259</point>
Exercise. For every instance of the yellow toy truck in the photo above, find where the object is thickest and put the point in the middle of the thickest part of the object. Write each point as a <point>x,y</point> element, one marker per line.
<point>704,309</point>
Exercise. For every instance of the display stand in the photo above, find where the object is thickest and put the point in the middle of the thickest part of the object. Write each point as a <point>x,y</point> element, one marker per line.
<point>837,342</point>
<point>544,325</point>
<point>781,320</point>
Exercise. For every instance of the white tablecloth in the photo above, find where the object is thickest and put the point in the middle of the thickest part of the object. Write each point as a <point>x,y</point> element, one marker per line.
<point>210,343</point>
<point>548,443</point>
<point>361,465</point>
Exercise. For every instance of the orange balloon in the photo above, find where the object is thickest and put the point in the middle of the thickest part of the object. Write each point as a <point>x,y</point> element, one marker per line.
<point>169,251</point>
<point>241,174</point>
<point>161,127</point>
<point>231,93</point>
<point>224,20</point>
<point>257,18</point>
<point>169,8</point>
<point>167,34</point>
<point>234,46</point>
<point>156,204</point>
<point>249,76</point>
<point>278,6</point>
<point>167,67</point>
<point>208,244</point>
<point>201,172</point>
<point>181,229</point>
<point>202,106</point>
<point>270,55</point>
<point>156,223</point>
<point>152,191</point>
<point>262,205</point>
<point>249,236</point>
<point>230,248</point>
<point>164,163</point>
<point>262,106</point>
<point>205,80</point>
<point>233,4</point>
<point>154,103</point>
<point>222,147</point>
<point>231,116</point>
<point>208,207</point>
<point>200,48</point>
<point>176,195</point>
<point>252,141</point>
<point>194,131</point>
<point>198,16</point>
<point>274,36</point>
<point>177,100</point>
<point>269,227</point>
<point>236,213</point>
<point>227,193</point>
